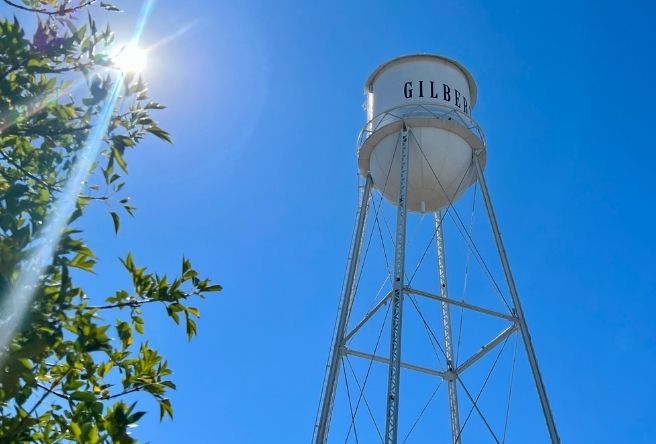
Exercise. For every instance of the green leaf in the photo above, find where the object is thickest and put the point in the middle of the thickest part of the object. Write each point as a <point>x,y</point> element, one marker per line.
<point>79,34</point>
<point>159,132</point>
<point>130,209</point>
<point>83,396</point>
<point>124,334</point>
<point>154,105</point>
<point>109,7</point>
<point>194,311</point>
<point>76,431</point>
<point>135,417</point>
<point>73,385</point>
<point>121,141</point>
<point>191,327</point>
<point>92,24</point>
<point>165,408</point>
<point>103,369</point>
<point>129,262</point>
<point>138,324</point>
<point>83,262</point>
<point>91,435</point>
<point>109,174</point>
<point>173,314</point>
<point>116,220</point>
<point>118,157</point>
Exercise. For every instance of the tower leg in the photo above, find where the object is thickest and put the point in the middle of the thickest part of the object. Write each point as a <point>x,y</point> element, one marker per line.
<point>528,345</point>
<point>391,424</point>
<point>448,342</point>
<point>322,425</point>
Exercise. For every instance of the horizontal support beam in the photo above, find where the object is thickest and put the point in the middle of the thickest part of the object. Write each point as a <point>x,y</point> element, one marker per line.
<point>487,348</point>
<point>428,371</point>
<point>367,317</point>
<point>462,304</point>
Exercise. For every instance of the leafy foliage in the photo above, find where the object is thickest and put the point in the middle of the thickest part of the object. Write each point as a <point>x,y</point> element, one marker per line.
<point>69,374</point>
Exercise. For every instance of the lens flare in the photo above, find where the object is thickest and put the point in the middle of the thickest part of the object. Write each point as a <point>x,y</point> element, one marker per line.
<point>18,300</point>
<point>130,59</point>
<point>171,37</point>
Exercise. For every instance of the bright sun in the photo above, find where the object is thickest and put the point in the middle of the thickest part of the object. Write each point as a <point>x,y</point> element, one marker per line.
<point>131,59</point>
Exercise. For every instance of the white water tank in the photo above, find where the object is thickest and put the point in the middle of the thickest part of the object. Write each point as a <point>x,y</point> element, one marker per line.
<point>434,97</point>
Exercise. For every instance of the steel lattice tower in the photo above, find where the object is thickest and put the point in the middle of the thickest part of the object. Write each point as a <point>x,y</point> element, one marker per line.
<point>416,136</point>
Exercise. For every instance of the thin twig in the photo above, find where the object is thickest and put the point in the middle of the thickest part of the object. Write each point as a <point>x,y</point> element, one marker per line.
<point>51,188</point>
<point>104,398</point>
<point>20,425</point>
<point>60,70</point>
<point>56,393</point>
<point>61,11</point>
<point>132,303</point>
<point>28,174</point>
<point>125,392</point>
<point>14,68</point>
<point>137,303</point>
<point>36,131</point>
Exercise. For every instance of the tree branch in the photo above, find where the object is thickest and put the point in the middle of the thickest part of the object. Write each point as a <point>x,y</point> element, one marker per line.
<point>28,174</point>
<point>51,188</point>
<point>21,424</point>
<point>60,395</point>
<point>134,303</point>
<point>60,70</point>
<point>125,392</point>
<point>61,11</point>
<point>36,131</point>
<point>103,398</point>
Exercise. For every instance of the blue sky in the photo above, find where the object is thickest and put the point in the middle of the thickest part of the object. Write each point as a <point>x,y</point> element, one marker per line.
<point>260,192</point>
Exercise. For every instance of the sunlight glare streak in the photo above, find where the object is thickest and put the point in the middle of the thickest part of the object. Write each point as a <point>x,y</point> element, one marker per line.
<point>18,300</point>
<point>170,38</point>
<point>38,104</point>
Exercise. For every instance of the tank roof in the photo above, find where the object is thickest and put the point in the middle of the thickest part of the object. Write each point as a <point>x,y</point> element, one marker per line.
<point>406,58</point>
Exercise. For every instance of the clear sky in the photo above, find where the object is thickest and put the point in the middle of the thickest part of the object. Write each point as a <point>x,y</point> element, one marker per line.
<point>260,192</point>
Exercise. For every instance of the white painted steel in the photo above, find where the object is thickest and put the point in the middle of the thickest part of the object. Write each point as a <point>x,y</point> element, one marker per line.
<point>368,316</point>
<point>445,152</point>
<point>433,96</point>
<point>383,360</point>
<point>398,285</point>
<point>427,150</point>
<point>519,312</point>
<point>446,324</point>
<point>322,424</point>
<point>457,303</point>
<point>428,79</point>
<point>485,349</point>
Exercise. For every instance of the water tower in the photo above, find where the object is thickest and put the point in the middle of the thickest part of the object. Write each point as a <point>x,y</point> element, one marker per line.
<point>421,150</point>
